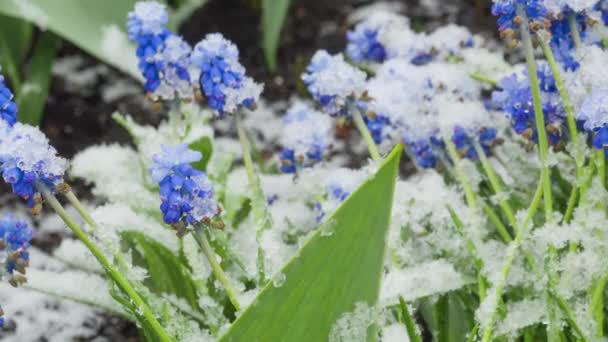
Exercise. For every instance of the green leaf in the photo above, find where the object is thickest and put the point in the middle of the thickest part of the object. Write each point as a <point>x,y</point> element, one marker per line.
<point>204,146</point>
<point>98,27</point>
<point>166,273</point>
<point>35,89</point>
<point>341,265</point>
<point>273,16</point>
<point>15,39</point>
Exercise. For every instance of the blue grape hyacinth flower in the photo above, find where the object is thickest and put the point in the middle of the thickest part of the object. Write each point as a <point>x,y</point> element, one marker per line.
<point>508,19</point>
<point>222,78</point>
<point>8,108</point>
<point>515,99</point>
<point>164,57</point>
<point>333,83</point>
<point>186,193</point>
<point>305,139</point>
<point>26,159</point>
<point>594,114</point>
<point>15,237</point>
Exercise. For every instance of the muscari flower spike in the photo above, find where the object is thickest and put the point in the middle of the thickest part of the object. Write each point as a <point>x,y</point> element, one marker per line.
<point>367,41</point>
<point>15,237</point>
<point>334,83</point>
<point>186,193</point>
<point>8,108</point>
<point>222,78</point>
<point>306,138</point>
<point>515,98</point>
<point>594,113</point>
<point>163,56</point>
<point>26,160</point>
<point>509,20</point>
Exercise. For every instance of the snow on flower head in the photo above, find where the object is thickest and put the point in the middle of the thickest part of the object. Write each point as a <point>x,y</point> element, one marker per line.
<point>222,77</point>
<point>147,18</point>
<point>371,38</point>
<point>163,56</point>
<point>507,13</point>
<point>186,193</point>
<point>332,82</point>
<point>173,62</point>
<point>8,108</point>
<point>558,6</point>
<point>305,139</point>
<point>27,159</point>
<point>170,157</point>
<point>594,109</point>
<point>451,39</point>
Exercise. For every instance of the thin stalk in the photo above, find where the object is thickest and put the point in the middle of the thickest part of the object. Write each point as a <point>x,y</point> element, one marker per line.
<point>570,119</point>
<point>201,239</point>
<point>367,137</point>
<point>576,36</point>
<point>472,249</point>
<point>600,161</point>
<point>543,145</point>
<point>462,178</point>
<point>259,208</point>
<point>495,183</point>
<point>484,79</point>
<point>500,227</point>
<point>510,257</point>
<point>111,271</point>
<point>410,325</point>
<point>597,304</point>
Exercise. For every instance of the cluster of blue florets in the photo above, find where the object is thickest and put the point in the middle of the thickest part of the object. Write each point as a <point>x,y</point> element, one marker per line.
<point>306,137</point>
<point>515,98</point>
<point>164,57</point>
<point>186,193</point>
<point>8,108</point>
<point>363,45</point>
<point>506,11</point>
<point>222,78</point>
<point>377,124</point>
<point>593,113</point>
<point>486,137</point>
<point>15,237</point>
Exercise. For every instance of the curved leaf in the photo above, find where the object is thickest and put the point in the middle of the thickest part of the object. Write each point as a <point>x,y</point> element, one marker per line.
<point>340,266</point>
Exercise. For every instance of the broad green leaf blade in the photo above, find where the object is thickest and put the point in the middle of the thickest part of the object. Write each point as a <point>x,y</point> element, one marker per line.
<point>15,39</point>
<point>167,273</point>
<point>35,89</point>
<point>273,16</point>
<point>338,267</point>
<point>205,147</point>
<point>98,27</point>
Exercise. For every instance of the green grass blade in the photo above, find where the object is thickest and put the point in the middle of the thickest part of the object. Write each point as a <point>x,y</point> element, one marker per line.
<point>15,40</point>
<point>273,16</point>
<point>204,146</point>
<point>34,91</point>
<point>331,273</point>
<point>410,325</point>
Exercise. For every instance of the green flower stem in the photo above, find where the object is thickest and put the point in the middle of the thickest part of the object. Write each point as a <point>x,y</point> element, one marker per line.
<point>484,79</point>
<point>510,257</point>
<point>597,304</point>
<point>543,145</point>
<point>571,203</point>
<point>111,271</point>
<point>367,137</point>
<point>201,239</point>
<point>259,207</point>
<point>600,161</point>
<point>576,36</point>
<point>500,227</point>
<point>462,178</point>
<point>570,119</point>
<point>410,325</point>
<point>495,183</point>
<point>472,249</point>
